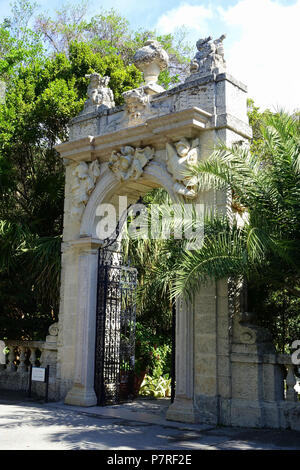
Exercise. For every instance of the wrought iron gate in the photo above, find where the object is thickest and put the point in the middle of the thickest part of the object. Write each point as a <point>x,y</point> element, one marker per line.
<point>115,328</point>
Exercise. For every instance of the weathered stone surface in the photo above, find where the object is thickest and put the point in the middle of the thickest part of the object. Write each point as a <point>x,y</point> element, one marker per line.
<point>130,162</point>
<point>209,58</point>
<point>151,60</point>
<point>100,96</point>
<point>181,158</point>
<point>226,371</point>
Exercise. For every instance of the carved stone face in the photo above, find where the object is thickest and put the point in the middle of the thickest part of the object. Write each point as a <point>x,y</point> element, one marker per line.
<point>125,162</point>
<point>94,81</point>
<point>182,147</point>
<point>193,157</point>
<point>81,170</point>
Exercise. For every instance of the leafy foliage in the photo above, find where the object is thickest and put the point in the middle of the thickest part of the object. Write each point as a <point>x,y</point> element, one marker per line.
<point>152,351</point>
<point>42,94</point>
<point>156,386</point>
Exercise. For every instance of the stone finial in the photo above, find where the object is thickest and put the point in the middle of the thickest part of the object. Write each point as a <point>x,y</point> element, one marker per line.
<point>209,58</point>
<point>84,178</point>
<point>151,60</point>
<point>53,332</point>
<point>53,329</point>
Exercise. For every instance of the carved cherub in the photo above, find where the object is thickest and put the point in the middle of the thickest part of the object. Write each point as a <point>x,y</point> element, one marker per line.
<point>84,179</point>
<point>210,56</point>
<point>181,157</point>
<point>129,163</point>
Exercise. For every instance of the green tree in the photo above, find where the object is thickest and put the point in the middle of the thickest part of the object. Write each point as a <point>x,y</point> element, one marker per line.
<point>43,93</point>
<point>264,250</point>
<point>44,61</point>
<point>109,33</point>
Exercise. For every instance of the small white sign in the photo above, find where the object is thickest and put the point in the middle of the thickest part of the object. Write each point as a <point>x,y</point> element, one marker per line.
<point>38,374</point>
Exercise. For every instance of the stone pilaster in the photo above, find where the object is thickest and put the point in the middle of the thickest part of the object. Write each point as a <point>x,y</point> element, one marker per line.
<point>82,393</point>
<point>183,408</point>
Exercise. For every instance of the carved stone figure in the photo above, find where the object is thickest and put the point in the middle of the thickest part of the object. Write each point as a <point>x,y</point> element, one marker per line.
<point>151,60</point>
<point>84,179</point>
<point>130,162</point>
<point>180,158</point>
<point>136,101</point>
<point>99,94</point>
<point>210,57</point>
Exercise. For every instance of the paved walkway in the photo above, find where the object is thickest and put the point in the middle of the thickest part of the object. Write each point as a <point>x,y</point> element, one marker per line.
<point>31,425</point>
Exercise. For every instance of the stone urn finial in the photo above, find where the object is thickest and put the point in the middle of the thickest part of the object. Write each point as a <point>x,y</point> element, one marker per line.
<point>151,60</point>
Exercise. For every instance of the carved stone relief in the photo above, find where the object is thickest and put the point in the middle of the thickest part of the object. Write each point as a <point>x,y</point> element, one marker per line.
<point>180,158</point>
<point>136,103</point>
<point>99,94</point>
<point>84,179</point>
<point>130,162</point>
<point>209,58</point>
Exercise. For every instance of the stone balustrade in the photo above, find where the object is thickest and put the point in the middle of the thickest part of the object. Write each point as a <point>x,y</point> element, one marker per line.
<point>291,381</point>
<point>19,355</point>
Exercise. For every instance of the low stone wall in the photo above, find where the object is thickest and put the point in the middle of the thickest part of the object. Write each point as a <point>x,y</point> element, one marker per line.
<point>263,391</point>
<point>20,355</point>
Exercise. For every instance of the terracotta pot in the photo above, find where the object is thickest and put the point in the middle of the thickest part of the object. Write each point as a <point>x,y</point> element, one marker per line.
<point>137,382</point>
<point>130,388</point>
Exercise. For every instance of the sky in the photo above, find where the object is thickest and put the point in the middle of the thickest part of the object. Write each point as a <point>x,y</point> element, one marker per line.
<point>262,37</point>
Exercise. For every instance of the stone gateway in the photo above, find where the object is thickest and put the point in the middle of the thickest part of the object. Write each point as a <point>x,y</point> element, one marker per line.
<point>227,371</point>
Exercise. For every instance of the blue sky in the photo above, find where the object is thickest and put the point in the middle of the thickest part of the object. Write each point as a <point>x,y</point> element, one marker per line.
<point>261,47</point>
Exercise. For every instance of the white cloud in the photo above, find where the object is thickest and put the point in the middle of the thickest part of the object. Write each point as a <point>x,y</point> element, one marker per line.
<point>262,45</point>
<point>194,17</point>
<point>266,57</point>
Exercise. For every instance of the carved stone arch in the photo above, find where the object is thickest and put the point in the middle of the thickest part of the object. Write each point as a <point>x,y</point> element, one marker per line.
<point>210,107</point>
<point>108,185</point>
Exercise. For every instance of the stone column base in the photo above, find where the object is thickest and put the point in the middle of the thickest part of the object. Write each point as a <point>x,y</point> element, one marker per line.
<point>81,396</point>
<point>183,410</point>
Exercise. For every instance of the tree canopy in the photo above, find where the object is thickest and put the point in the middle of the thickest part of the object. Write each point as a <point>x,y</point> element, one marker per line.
<point>43,63</point>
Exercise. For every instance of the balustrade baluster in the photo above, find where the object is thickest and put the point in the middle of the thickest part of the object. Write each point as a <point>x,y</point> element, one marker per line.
<point>22,358</point>
<point>42,357</point>
<point>291,394</point>
<point>11,357</point>
<point>32,357</point>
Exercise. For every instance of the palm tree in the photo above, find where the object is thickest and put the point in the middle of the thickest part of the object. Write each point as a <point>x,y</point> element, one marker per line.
<point>265,188</point>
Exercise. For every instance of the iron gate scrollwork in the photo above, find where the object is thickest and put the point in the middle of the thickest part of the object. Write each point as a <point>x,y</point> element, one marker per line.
<point>115,328</point>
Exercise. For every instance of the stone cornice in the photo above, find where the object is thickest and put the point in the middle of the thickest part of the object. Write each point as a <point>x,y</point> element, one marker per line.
<point>156,131</point>
<point>77,150</point>
<point>186,123</point>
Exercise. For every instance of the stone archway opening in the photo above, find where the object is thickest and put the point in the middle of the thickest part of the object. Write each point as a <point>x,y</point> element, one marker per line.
<point>123,363</point>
